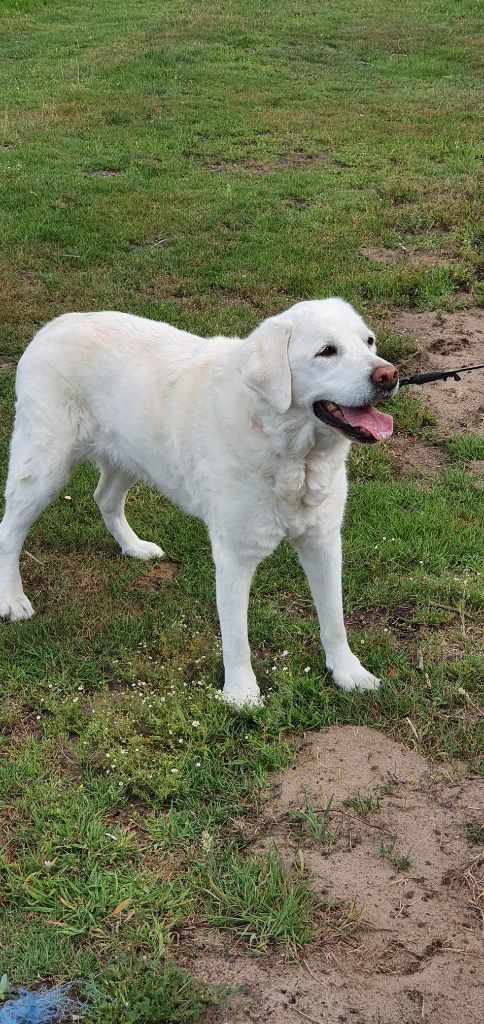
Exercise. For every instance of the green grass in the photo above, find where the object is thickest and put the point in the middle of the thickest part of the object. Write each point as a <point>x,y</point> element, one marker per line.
<point>401,862</point>
<point>474,831</point>
<point>209,166</point>
<point>261,901</point>
<point>369,803</point>
<point>315,822</point>
<point>465,447</point>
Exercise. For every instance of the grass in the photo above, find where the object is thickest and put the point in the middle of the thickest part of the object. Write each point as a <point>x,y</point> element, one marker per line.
<point>209,167</point>
<point>464,447</point>
<point>474,831</point>
<point>369,804</point>
<point>262,901</point>
<point>316,823</point>
<point>401,862</point>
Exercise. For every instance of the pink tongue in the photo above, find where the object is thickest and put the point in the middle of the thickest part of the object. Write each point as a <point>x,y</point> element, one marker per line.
<point>378,424</point>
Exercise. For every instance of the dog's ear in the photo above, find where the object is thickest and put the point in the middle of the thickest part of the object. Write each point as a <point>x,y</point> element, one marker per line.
<point>265,362</point>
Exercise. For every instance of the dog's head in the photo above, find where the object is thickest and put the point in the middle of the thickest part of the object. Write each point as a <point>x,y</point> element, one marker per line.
<point>320,356</point>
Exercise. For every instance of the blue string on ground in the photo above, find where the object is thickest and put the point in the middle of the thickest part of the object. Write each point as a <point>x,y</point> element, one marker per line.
<point>44,1006</point>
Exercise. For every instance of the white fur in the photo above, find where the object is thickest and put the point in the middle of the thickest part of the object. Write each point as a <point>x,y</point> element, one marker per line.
<point>224,427</point>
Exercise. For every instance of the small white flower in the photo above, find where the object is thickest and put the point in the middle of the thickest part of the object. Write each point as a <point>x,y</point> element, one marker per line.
<point>174,771</point>
<point>284,654</point>
<point>198,764</point>
<point>195,723</point>
<point>308,668</point>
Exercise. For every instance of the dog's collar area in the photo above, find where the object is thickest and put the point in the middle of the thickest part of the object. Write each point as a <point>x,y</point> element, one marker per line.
<point>360,423</point>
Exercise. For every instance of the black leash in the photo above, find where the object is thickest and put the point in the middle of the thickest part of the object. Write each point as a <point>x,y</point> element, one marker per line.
<point>424,378</point>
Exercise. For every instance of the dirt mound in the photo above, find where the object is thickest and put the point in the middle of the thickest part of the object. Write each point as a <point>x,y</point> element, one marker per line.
<point>394,840</point>
<point>448,340</point>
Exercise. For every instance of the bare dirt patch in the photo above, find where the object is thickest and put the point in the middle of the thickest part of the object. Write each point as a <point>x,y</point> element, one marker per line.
<point>398,618</point>
<point>476,467</point>
<point>403,254</point>
<point>448,340</point>
<point>298,160</point>
<point>161,572</point>
<point>413,456</point>
<point>6,365</point>
<point>106,172</point>
<point>416,878</point>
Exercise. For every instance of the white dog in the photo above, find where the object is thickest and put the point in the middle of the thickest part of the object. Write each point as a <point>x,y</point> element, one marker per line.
<point>250,435</point>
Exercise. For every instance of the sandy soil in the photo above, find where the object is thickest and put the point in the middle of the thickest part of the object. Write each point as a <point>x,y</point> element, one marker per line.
<point>416,953</point>
<point>415,457</point>
<point>448,340</point>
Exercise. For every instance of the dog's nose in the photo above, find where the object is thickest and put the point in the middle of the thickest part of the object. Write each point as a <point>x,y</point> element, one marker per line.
<point>385,376</point>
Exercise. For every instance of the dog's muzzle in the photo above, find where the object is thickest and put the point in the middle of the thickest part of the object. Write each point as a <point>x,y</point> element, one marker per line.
<point>360,423</point>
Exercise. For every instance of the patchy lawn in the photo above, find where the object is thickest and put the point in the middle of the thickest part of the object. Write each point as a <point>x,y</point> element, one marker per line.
<point>210,166</point>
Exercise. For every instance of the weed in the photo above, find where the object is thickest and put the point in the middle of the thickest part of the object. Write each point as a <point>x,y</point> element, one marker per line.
<point>316,823</point>
<point>370,803</point>
<point>399,861</point>
<point>474,832</point>
<point>363,804</point>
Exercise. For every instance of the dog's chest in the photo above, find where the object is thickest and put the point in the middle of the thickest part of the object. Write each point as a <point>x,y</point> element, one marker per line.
<point>308,490</point>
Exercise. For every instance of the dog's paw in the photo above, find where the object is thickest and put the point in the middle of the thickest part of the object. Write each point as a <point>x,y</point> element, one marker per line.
<point>15,608</point>
<point>360,681</point>
<point>351,675</point>
<point>238,699</point>
<point>242,693</point>
<point>143,549</point>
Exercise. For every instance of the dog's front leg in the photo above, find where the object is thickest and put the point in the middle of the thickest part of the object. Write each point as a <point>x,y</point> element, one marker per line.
<point>233,579</point>
<point>320,557</point>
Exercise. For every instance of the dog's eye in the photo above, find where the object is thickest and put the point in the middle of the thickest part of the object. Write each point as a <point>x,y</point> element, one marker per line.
<point>370,341</point>
<point>328,350</point>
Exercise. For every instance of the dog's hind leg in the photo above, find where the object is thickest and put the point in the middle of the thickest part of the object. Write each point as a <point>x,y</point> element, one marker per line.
<point>110,496</point>
<point>38,469</point>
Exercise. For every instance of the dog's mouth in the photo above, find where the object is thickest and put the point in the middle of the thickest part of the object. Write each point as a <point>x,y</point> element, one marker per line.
<point>360,423</point>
